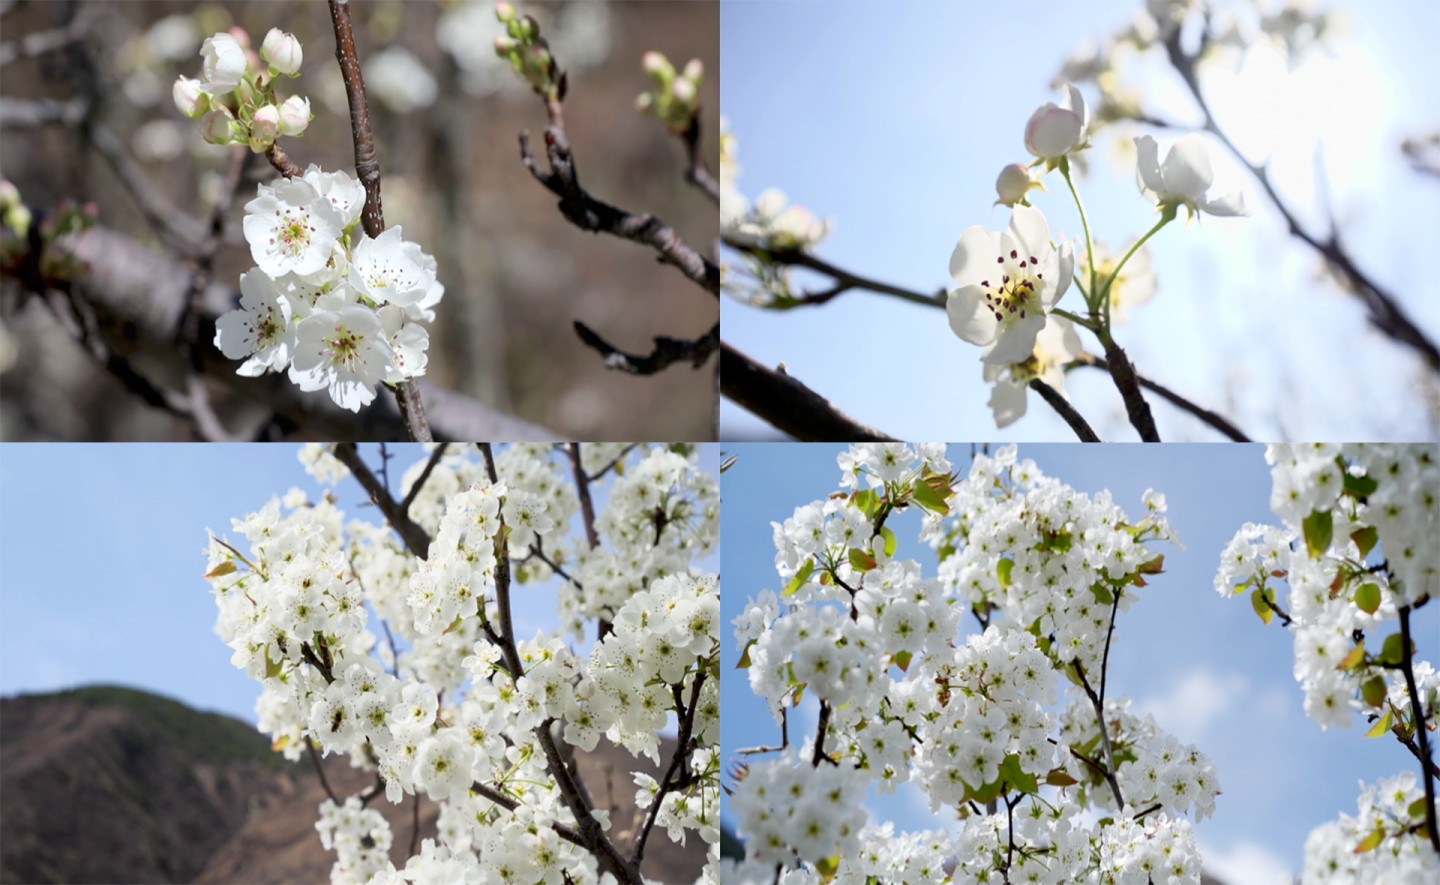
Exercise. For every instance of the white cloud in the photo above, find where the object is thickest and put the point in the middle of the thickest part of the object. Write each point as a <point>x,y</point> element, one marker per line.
<point>1246,864</point>
<point>1193,704</point>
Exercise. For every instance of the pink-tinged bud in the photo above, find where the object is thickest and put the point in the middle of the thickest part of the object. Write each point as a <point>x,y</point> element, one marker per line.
<point>504,11</point>
<point>189,99</point>
<point>219,127</point>
<point>294,115</point>
<point>224,64</point>
<point>1013,184</point>
<point>684,91</point>
<point>695,71</point>
<point>282,51</point>
<point>504,46</point>
<point>657,66</point>
<point>265,126</point>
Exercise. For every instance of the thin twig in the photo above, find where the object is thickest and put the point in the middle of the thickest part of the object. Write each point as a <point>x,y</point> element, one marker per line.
<point>415,538</point>
<point>698,173</point>
<point>435,457</point>
<point>844,279</point>
<point>1214,419</point>
<point>582,489</point>
<point>1417,716</point>
<point>367,170</point>
<point>41,42</point>
<point>1061,405</point>
<point>1104,738</point>
<point>315,758</point>
<point>686,718</point>
<point>667,351</point>
<point>613,462</point>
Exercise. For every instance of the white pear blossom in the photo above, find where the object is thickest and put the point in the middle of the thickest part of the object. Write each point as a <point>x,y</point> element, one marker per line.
<point>259,331</point>
<point>225,64</point>
<point>386,271</point>
<point>282,51</point>
<point>343,351</point>
<point>407,341</point>
<point>265,126</point>
<point>1055,130</point>
<point>1185,177</point>
<point>345,193</point>
<point>294,115</point>
<point>1056,345</point>
<point>291,228</point>
<point>1008,282</point>
<point>1134,286</point>
<point>190,98</point>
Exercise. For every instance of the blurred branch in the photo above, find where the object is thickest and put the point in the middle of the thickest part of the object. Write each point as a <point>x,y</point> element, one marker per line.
<point>1213,419</point>
<point>367,169</point>
<point>787,404</point>
<point>698,173</point>
<point>1423,153</point>
<point>666,352</point>
<point>844,280</point>
<point>42,42</point>
<point>1066,411</point>
<point>1386,314</point>
<point>26,113</point>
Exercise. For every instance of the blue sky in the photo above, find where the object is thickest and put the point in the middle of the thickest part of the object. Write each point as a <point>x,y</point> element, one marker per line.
<point>894,120</point>
<point>1209,670</point>
<point>102,552</point>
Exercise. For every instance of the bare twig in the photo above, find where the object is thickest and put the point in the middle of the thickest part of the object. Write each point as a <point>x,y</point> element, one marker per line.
<point>435,457</point>
<point>697,173</point>
<point>786,403</point>
<point>1129,386</point>
<point>582,490</point>
<point>667,351</point>
<point>415,538</point>
<point>1061,405</point>
<point>1104,738</point>
<point>315,758</point>
<point>25,113</point>
<point>1417,715</point>
<point>175,227</point>
<point>42,42</point>
<point>845,281</point>
<point>1215,420</point>
<point>367,169</point>
<point>673,774</point>
<point>613,462</point>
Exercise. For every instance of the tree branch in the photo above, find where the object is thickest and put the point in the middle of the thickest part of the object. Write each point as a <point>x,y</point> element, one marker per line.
<point>1104,738</point>
<point>1061,405</point>
<point>367,170</point>
<point>1214,419</point>
<point>415,538</point>
<point>786,403</point>
<point>435,457</point>
<point>844,278</point>
<point>697,173</point>
<point>667,351</point>
<point>1417,716</point>
<point>686,718</point>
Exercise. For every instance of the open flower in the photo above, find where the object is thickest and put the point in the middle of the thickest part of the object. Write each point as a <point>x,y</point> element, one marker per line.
<point>225,64</point>
<point>1056,345</point>
<point>291,228</point>
<point>1056,130</point>
<point>1136,283</point>
<point>1007,283</point>
<point>386,270</point>
<point>1185,177</point>
<point>344,351</point>
<point>259,332</point>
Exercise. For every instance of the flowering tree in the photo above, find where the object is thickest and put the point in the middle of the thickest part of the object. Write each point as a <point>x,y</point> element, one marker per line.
<point>979,726</point>
<point>1357,550</point>
<point>452,703</point>
<point>1008,290</point>
<point>333,300</point>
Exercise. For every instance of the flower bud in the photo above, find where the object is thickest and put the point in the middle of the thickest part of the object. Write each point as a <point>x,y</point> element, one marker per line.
<point>1013,184</point>
<point>504,46</point>
<point>504,11</point>
<point>695,71</point>
<point>224,64</point>
<point>644,101</point>
<point>191,101</point>
<point>294,115</point>
<point>265,126</point>
<point>283,51</point>
<point>658,66</point>
<point>219,127</point>
<point>684,91</point>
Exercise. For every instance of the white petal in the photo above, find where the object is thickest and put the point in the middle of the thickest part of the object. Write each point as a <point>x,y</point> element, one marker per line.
<point>1149,163</point>
<point>1008,402</point>
<point>1075,101</point>
<point>1031,233</point>
<point>1228,205</point>
<point>1052,131</point>
<point>1017,342</point>
<point>1059,282</point>
<point>970,318</point>
<point>974,257</point>
<point>1187,168</point>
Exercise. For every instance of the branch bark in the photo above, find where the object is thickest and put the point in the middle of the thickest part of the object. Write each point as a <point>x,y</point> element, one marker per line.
<point>1061,405</point>
<point>788,404</point>
<point>415,538</point>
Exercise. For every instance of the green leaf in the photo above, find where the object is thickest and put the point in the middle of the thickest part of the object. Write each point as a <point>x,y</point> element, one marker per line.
<point>1354,659</point>
<point>1371,842</point>
<point>1319,529</point>
<point>903,659</point>
<point>1243,586</point>
<point>1102,593</point>
<point>1155,566</point>
<point>926,496</point>
<point>1365,539</point>
<point>1003,572</point>
<point>1418,810</point>
<point>827,867</point>
<point>1382,727</point>
<point>799,696</point>
<point>272,669</point>
<point>1058,778</point>
<point>1259,600</point>
<point>1368,598</point>
<point>1360,486</point>
<point>889,537</point>
<point>867,501</point>
<point>745,656</point>
<point>1062,542</point>
<point>860,560</point>
<point>728,463</point>
<point>1373,691</point>
<point>1015,777</point>
<point>990,792</point>
<point>1394,651</point>
<point>801,577</point>
<point>946,552</point>
<point>454,625</point>
<point>227,567</point>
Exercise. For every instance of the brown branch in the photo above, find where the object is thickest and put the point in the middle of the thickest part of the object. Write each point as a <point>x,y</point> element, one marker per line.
<point>1129,386</point>
<point>667,351</point>
<point>1214,419</point>
<point>845,280</point>
<point>415,538</point>
<point>435,457</point>
<point>786,403</point>
<point>367,170</point>
<point>582,490</point>
<point>175,227</point>
<point>1104,737</point>
<point>1385,312</point>
<point>41,42</point>
<point>1061,405</point>
<point>1417,716</point>
<point>698,173</point>
<point>590,214</point>
<point>678,762</point>
<point>282,162</point>
<point>315,758</point>
<point>613,462</point>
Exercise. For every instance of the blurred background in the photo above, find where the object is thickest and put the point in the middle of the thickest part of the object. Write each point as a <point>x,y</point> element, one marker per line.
<point>1205,666</point>
<point>893,120</point>
<point>446,114</point>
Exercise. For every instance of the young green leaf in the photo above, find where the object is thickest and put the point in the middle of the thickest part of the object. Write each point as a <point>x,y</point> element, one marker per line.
<point>902,660</point>
<point>1355,658</point>
<point>889,537</point>
<point>800,578</point>
<point>1371,842</point>
<point>1260,600</point>
<point>1319,529</point>
<point>860,560</point>
<point>926,496</point>
<point>1373,691</point>
<point>745,656</point>
<point>1368,598</point>
<point>1382,726</point>
<point>1365,539</point>
<point>1002,570</point>
<point>1394,650</point>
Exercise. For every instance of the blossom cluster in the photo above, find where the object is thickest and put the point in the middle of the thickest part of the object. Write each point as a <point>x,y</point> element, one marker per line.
<point>1045,569</point>
<point>235,98</point>
<point>1357,550</point>
<point>436,707</point>
<point>676,96</point>
<point>340,310</point>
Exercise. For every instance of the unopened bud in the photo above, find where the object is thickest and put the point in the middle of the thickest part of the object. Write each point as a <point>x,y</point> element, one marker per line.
<point>695,71</point>
<point>282,51</point>
<point>265,126</point>
<point>504,46</point>
<point>684,91</point>
<point>658,66</point>
<point>219,127</point>
<point>189,99</point>
<point>294,115</point>
<point>504,11</point>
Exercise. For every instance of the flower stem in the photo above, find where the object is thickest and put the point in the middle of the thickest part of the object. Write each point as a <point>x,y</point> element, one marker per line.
<point>1075,318</point>
<point>1165,219</point>
<point>1084,222</point>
